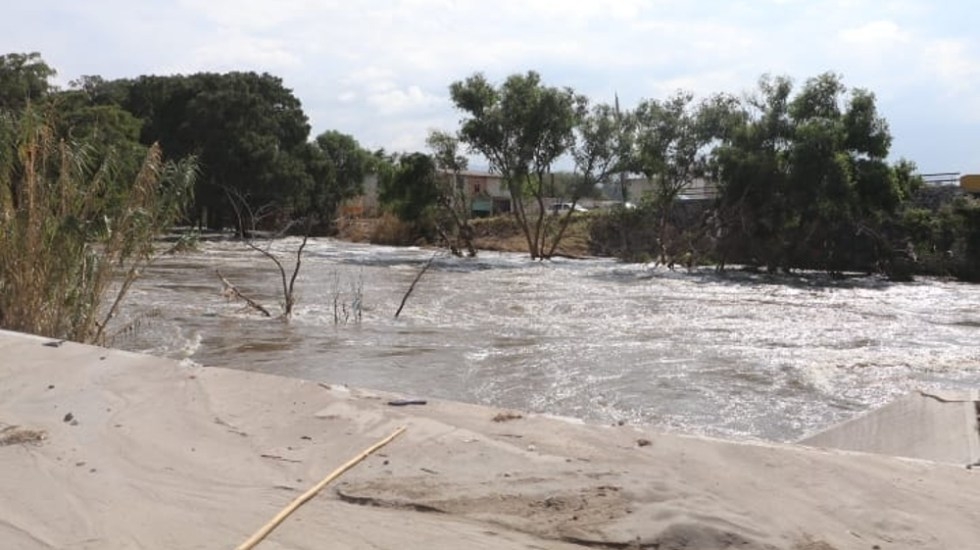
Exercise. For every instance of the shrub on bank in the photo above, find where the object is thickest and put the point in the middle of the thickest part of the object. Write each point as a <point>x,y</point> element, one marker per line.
<point>391,231</point>
<point>74,226</point>
<point>944,241</point>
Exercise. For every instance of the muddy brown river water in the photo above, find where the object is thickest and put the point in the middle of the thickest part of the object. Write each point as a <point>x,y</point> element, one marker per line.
<point>738,355</point>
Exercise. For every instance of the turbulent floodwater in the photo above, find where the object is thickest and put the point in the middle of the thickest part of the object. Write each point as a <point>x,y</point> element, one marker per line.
<point>739,355</point>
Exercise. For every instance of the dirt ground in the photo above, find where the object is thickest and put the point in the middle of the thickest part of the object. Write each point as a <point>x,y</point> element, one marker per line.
<point>500,234</point>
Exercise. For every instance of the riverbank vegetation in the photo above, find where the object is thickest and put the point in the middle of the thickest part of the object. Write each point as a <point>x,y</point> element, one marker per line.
<point>800,177</point>
<point>799,173</point>
<point>77,224</point>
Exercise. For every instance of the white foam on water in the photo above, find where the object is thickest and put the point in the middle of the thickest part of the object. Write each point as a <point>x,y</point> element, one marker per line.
<point>736,355</point>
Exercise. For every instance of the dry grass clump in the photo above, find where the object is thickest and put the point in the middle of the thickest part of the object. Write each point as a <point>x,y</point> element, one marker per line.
<point>507,416</point>
<point>503,233</point>
<point>73,225</point>
<point>15,435</point>
<point>357,230</point>
<point>391,231</point>
<point>503,225</point>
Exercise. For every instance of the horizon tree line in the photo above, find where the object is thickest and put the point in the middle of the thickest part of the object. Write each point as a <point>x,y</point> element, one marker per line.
<point>802,171</point>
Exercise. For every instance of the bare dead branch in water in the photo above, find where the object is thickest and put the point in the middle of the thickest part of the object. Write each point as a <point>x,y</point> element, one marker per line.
<point>345,308</point>
<point>242,209</point>
<point>414,282</point>
<point>288,285</point>
<point>290,295</point>
<point>232,291</point>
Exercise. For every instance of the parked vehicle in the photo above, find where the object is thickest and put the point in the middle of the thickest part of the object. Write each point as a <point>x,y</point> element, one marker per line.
<point>563,207</point>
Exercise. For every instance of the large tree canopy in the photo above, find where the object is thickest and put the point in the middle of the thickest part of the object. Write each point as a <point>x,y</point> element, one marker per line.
<point>808,172</point>
<point>23,78</point>
<point>521,127</point>
<point>410,188</point>
<point>247,129</point>
<point>338,166</point>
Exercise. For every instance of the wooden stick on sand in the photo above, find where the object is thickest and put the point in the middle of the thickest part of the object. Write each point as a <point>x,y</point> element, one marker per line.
<point>300,500</point>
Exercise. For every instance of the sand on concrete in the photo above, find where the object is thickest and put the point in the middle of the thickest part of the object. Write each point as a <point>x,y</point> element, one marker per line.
<point>143,452</point>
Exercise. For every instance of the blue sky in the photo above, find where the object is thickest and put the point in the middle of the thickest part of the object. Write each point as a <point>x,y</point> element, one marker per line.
<point>380,70</point>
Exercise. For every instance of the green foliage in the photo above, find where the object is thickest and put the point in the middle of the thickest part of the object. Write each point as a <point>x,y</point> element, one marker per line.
<point>99,91</point>
<point>339,166</point>
<point>965,250</point>
<point>110,132</point>
<point>445,152</point>
<point>671,148</point>
<point>806,174</point>
<point>251,136</point>
<point>521,127</point>
<point>70,228</point>
<point>351,163</point>
<point>410,189</point>
<point>247,129</point>
<point>944,242</point>
<point>602,146</point>
<point>453,219</point>
<point>24,78</point>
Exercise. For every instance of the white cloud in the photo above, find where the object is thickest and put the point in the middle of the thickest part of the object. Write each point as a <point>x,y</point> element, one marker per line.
<point>575,12</point>
<point>876,36</point>
<point>257,15</point>
<point>954,64</point>
<point>235,50</point>
<point>403,100</point>
<point>701,84</point>
<point>379,69</point>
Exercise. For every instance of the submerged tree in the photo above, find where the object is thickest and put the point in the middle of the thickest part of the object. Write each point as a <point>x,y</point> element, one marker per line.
<point>521,127</point>
<point>454,204</point>
<point>672,150</point>
<point>603,140</point>
<point>808,175</point>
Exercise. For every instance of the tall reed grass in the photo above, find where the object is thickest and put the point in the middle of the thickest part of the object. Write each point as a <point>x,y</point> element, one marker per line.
<point>75,228</point>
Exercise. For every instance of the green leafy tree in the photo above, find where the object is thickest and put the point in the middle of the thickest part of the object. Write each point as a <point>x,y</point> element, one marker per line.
<point>110,133</point>
<point>807,174</point>
<point>603,141</point>
<point>455,206</point>
<point>672,149</point>
<point>350,161</point>
<point>410,189</point>
<point>751,165</point>
<point>99,91</point>
<point>24,78</point>
<point>247,129</point>
<point>339,167</point>
<point>521,127</point>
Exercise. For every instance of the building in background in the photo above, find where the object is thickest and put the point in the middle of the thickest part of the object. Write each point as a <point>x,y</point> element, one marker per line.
<point>970,183</point>
<point>487,192</point>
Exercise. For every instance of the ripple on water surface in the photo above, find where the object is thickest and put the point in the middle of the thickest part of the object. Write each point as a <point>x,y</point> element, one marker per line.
<point>738,355</point>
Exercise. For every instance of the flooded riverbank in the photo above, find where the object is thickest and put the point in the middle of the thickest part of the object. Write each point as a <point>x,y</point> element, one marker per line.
<point>736,355</point>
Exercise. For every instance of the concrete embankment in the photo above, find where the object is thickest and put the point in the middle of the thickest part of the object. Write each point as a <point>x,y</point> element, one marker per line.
<point>108,449</point>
